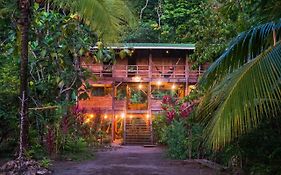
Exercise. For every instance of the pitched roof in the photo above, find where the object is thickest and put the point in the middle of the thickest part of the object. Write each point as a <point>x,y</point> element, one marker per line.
<point>152,46</point>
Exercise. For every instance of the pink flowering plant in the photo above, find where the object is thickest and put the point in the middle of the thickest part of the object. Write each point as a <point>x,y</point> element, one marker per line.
<point>176,109</point>
<point>176,128</point>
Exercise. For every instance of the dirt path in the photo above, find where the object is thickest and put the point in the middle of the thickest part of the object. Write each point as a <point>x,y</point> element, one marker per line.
<point>131,160</point>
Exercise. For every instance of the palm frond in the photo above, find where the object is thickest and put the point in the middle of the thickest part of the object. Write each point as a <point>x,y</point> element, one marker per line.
<point>106,17</point>
<point>237,104</point>
<point>245,47</point>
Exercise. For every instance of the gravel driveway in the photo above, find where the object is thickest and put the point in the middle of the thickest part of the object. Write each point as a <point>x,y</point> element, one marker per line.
<point>131,160</point>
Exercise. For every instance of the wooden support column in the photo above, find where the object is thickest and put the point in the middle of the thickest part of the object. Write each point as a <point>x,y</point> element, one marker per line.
<point>186,74</point>
<point>124,125</point>
<point>149,111</point>
<point>113,114</point>
<point>150,65</point>
<point>125,116</point>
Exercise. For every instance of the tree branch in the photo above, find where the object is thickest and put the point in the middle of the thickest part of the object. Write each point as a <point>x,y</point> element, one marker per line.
<point>141,12</point>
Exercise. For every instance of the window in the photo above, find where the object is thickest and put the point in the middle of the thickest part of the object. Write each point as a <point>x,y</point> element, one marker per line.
<point>101,91</point>
<point>98,91</point>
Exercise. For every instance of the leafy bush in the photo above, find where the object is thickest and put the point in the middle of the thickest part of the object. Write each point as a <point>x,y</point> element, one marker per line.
<point>160,125</point>
<point>177,140</point>
<point>75,145</point>
<point>45,162</point>
<point>175,128</point>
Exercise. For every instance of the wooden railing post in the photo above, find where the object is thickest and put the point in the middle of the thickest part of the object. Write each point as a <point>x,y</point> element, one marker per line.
<point>113,114</point>
<point>126,71</point>
<point>149,112</point>
<point>186,75</point>
<point>150,65</point>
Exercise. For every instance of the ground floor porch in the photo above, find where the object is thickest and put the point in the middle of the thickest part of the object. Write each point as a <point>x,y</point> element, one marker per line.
<point>124,127</point>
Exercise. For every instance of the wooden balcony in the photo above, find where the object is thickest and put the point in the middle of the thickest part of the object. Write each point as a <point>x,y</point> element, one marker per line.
<point>120,105</point>
<point>145,71</point>
<point>194,75</point>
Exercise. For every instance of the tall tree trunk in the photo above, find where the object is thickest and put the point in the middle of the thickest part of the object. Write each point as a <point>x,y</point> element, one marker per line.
<point>24,6</point>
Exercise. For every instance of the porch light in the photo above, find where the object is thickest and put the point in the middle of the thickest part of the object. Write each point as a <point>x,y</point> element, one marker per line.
<point>87,120</point>
<point>147,116</point>
<point>173,86</point>
<point>91,116</point>
<point>159,82</point>
<point>122,115</point>
<point>192,87</point>
<point>140,86</point>
<point>136,79</point>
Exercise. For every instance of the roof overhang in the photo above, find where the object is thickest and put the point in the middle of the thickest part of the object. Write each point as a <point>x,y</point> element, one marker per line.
<point>168,46</point>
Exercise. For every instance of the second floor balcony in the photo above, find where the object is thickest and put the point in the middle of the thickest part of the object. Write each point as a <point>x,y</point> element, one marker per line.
<point>145,71</point>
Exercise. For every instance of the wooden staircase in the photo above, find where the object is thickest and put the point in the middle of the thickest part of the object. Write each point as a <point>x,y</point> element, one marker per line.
<point>138,131</point>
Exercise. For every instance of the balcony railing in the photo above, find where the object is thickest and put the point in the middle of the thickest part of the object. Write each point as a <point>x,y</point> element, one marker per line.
<point>144,71</point>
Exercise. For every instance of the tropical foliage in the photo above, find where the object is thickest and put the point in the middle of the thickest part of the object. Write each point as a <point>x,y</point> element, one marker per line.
<point>106,17</point>
<point>242,85</point>
<point>59,39</point>
<point>239,113</point>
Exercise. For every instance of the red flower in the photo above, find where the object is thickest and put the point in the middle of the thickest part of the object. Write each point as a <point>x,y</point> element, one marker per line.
<point>167,100</point>
<point>171,115</point>
<point>185,109</point>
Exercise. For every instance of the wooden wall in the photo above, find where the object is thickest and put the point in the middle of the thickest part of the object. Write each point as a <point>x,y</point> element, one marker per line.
<point>96,103</point>
<point>156,105</point>
<point>142,57</point>
<point>120,67</point>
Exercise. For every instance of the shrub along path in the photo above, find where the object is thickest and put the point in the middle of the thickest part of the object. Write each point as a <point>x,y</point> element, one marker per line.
<point>131,160</point>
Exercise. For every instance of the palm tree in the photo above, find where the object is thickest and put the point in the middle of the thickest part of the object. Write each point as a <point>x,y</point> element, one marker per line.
<point>243,86</point>
<point>106,17</point>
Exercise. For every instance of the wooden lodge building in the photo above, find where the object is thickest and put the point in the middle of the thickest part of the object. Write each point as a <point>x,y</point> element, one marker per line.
<point>127,95</point>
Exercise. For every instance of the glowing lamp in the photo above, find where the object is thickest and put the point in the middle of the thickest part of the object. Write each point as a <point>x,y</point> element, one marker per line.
<point>147,116</point>
<point>136,78</point>
<point>192,87</point>
<point>87,120</point>
<point>123,115</point>
<point>159,82</point>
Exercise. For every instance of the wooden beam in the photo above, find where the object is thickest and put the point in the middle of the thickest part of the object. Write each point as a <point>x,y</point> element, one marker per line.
<point>149,111</point>
<point>113,115</point>
<point>150,64</point>
<point>125,117</point>
<point>186,74</point>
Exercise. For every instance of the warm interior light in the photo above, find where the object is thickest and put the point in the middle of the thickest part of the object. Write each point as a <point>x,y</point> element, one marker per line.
<point>173,86</point>
<point>105,116</point>
<point>159,82</point>
<point>91,115</point>
<point>87,120</point>
<point>147,115</point>
<point>136,78</point>
<point>192,87</point>
<point>140,86</point>
<point>131,116</point>
<point>122,115</point>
